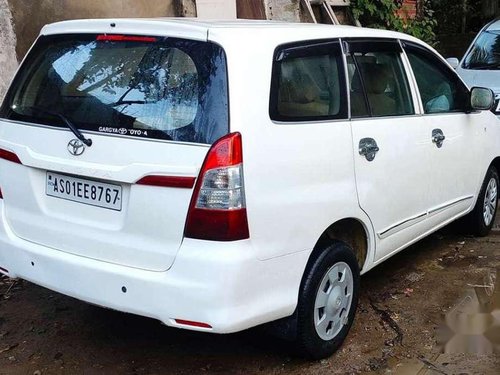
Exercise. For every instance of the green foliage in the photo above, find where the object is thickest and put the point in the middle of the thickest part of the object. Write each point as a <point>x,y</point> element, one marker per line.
<point>450,14</point>
<point>383,14</point>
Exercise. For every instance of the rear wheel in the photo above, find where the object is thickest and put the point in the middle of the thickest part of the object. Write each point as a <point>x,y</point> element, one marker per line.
<point>481,219</point>
<point>327,301</point>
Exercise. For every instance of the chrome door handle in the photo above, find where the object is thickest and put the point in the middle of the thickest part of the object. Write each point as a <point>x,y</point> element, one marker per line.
<point>438,137</point>
<point>368,148</point>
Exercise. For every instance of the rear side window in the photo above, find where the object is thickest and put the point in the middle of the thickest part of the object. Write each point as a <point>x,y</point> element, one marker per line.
<point>308,83</point>
<point>149,87</point>
<point>377,80</point>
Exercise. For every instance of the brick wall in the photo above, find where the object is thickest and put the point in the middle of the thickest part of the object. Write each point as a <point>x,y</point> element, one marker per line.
<point>408,9</point>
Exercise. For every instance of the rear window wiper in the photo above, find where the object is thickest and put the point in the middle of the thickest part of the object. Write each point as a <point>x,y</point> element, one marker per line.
<point>66,121</point>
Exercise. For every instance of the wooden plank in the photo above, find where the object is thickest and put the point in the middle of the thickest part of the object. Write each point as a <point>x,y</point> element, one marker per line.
<point>307,5</point>
<point>251,9</point>
<point>339,3</point>
<point>331,14</point>
<point>335,12</point>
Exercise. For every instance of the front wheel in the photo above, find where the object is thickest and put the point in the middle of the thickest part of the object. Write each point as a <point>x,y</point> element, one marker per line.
<point>481,219</point>
<point>327,301</point>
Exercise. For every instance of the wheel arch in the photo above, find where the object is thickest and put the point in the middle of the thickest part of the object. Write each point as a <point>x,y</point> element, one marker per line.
<point>495,163</point>
<point>351,231</point>
<point>480,180</point>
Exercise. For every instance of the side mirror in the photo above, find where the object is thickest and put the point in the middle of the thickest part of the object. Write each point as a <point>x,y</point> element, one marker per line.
<point>482,99</point>
<point>454,62</point>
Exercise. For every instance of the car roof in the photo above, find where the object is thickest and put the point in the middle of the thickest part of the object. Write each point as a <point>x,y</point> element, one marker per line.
<point>494,26</point>
<point>193,28</point>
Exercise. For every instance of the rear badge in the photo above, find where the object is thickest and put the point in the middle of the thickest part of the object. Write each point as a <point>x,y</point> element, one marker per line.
<point>76,147</point>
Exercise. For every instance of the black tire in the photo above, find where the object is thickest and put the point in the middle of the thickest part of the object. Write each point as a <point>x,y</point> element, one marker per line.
<point>308,341</point>
<point>474,222</point>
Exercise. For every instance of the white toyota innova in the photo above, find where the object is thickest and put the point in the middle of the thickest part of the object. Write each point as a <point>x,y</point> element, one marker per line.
<point>220,175</point>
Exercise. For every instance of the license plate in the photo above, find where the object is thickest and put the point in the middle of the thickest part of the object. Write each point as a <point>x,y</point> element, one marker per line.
<point>84,191</point>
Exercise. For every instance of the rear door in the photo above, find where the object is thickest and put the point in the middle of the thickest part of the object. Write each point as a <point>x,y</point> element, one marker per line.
<point>151,107</point>
<point>392,144</point>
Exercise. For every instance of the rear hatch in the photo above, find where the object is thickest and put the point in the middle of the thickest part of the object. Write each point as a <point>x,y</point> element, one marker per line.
<point>151,107</point>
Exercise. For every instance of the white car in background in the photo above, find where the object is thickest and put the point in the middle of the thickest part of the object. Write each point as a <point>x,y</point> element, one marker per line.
<point>220,175</point>
<point>481,63</point>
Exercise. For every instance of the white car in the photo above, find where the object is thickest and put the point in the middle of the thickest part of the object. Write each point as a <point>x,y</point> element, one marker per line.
<point>220,175</point>
<point>481,63</point>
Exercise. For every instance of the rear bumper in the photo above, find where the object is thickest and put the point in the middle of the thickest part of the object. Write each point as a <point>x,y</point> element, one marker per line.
<point>219,284</point>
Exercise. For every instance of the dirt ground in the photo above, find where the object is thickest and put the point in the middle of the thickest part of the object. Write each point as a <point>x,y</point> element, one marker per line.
<point>403,303</point>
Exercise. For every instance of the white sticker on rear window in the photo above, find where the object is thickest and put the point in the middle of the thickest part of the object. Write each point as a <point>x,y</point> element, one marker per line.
<point>123,131</point>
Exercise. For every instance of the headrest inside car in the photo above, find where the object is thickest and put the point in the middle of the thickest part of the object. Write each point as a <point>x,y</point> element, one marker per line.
<point>375,78</point>
<point>297,85</point>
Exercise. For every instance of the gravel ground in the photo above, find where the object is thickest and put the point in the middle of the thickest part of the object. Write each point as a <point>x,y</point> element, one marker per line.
<point>403,303</point>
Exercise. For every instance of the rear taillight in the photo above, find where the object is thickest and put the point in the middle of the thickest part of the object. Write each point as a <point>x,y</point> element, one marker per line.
<point>217,211</point>
<point>10,156</point>
<point>192,324</point>
<point>168,181</point>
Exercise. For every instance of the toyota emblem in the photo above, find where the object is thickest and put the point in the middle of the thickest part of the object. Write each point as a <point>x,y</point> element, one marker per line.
<point>76,147</point>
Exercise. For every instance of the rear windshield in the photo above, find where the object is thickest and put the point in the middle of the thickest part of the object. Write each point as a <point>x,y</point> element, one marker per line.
<point>148,87</point>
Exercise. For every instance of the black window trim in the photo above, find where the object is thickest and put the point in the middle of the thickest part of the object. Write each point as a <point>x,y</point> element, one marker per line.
<point>353,45</point>
<point>302,49</point>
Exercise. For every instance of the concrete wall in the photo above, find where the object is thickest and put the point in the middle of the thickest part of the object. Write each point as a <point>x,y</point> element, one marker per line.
<point>283,10</point>
<point>216,9</point>
<point>8,61</point>
<point>30,15</point>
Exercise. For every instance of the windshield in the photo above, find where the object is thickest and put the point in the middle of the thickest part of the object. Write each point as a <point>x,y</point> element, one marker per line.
<point>148,87</point>
<point>485,53</point>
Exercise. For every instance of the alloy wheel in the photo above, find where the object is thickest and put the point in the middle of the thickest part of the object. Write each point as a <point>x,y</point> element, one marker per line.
<point>490,201</point>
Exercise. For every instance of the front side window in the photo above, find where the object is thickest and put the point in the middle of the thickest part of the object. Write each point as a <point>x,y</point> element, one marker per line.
<point>308,83</point>
<point>440,88</point>
<point>377,81</point>
<point>485,53</point>
<point>150,87</point>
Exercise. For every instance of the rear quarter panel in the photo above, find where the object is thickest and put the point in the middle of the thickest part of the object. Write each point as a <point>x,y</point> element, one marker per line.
<point>299,177</point>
